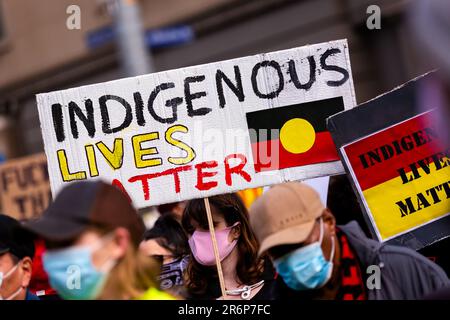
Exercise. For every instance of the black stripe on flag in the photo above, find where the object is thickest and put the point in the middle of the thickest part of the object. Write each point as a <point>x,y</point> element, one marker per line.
<point>315,112</point>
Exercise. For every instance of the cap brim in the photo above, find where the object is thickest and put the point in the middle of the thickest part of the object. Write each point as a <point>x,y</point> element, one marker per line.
<point>54,229</point>
<point>291,235</point>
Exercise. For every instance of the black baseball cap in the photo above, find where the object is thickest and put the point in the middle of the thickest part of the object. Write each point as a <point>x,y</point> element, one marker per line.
<point>14,239</point>
<point>86,204</point>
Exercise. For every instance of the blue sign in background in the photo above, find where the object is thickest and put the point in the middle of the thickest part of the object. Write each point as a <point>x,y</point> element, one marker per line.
<point>155,38</point>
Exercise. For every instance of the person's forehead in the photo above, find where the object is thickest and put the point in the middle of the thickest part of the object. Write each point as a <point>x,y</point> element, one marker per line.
<point>6,259</point>
<point>151,247</point>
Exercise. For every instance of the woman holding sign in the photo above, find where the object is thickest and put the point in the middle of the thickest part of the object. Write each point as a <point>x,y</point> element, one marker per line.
<point>245,275</point>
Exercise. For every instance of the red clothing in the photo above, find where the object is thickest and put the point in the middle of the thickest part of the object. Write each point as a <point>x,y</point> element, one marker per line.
<point>39,280</point>
<point>352,283</point>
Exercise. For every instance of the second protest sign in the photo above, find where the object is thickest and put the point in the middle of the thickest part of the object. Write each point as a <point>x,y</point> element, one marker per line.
<point>398,161</point>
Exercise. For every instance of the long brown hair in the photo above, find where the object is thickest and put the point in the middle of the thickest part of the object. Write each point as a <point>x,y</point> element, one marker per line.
<point>249,267</point>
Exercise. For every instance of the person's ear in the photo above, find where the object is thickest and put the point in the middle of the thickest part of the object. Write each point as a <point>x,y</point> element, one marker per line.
<point>121,241</point>
<point>329,221</point>
<point>26,266</point>
<point>236,232</point>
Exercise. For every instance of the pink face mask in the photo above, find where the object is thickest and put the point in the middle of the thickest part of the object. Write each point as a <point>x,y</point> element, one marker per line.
<point>202,248</point>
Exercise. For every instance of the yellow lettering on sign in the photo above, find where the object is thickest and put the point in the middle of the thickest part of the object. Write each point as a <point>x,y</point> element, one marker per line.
<point>114,157</point>
<point>64,168</point>
<point>139,152</point>
<point>190,154</point>
<point>397,208</point>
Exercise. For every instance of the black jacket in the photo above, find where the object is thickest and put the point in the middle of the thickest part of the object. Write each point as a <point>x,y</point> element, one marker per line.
<point>404,273</point>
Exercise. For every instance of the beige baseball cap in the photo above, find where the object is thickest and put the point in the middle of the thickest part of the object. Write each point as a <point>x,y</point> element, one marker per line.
<point>285,214</point>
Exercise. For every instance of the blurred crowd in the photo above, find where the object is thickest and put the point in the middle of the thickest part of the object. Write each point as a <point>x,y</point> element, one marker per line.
<point>92,244</point>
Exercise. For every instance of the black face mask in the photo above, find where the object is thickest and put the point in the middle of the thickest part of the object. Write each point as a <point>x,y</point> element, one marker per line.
<point>172,274</point>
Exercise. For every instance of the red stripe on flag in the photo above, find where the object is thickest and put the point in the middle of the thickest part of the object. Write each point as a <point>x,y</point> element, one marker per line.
<point>323,150</point>
<point>387,169</point>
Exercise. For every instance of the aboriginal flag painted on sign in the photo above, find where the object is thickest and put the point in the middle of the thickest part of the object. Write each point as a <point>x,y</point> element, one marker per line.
<point>294,135</point>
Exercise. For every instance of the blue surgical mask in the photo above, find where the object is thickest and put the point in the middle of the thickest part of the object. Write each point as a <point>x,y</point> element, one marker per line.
<point>72,274</point>
<point>306,268</point>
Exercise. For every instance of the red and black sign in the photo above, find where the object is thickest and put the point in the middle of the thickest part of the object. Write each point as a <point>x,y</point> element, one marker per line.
<point>294,135</point>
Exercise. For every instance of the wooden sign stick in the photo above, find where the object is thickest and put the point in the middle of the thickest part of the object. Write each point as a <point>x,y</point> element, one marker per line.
<point>216,249</point>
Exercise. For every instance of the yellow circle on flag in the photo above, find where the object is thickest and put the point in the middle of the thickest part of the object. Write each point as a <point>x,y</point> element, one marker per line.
<point>297,135</point>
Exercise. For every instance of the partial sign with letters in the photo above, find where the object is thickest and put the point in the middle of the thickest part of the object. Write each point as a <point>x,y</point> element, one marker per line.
<point>24,187</point>
<point>399,164</point>
<point>202,130</point>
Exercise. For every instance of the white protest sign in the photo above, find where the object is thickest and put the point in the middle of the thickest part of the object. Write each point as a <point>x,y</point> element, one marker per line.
<point>321,186</point>
<point>202,130</point>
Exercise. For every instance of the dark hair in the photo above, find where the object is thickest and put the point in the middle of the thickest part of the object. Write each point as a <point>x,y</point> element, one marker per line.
<point>168,207</point>
<point>169,234</point>
<point>343,203</point>
<point>15,259</point>
<point>249,267</point>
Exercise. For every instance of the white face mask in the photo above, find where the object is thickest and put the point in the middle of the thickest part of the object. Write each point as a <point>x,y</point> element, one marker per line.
<point>6,275</point>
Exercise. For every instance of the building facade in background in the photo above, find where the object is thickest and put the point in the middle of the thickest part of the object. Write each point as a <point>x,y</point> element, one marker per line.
<point>38,53</point>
